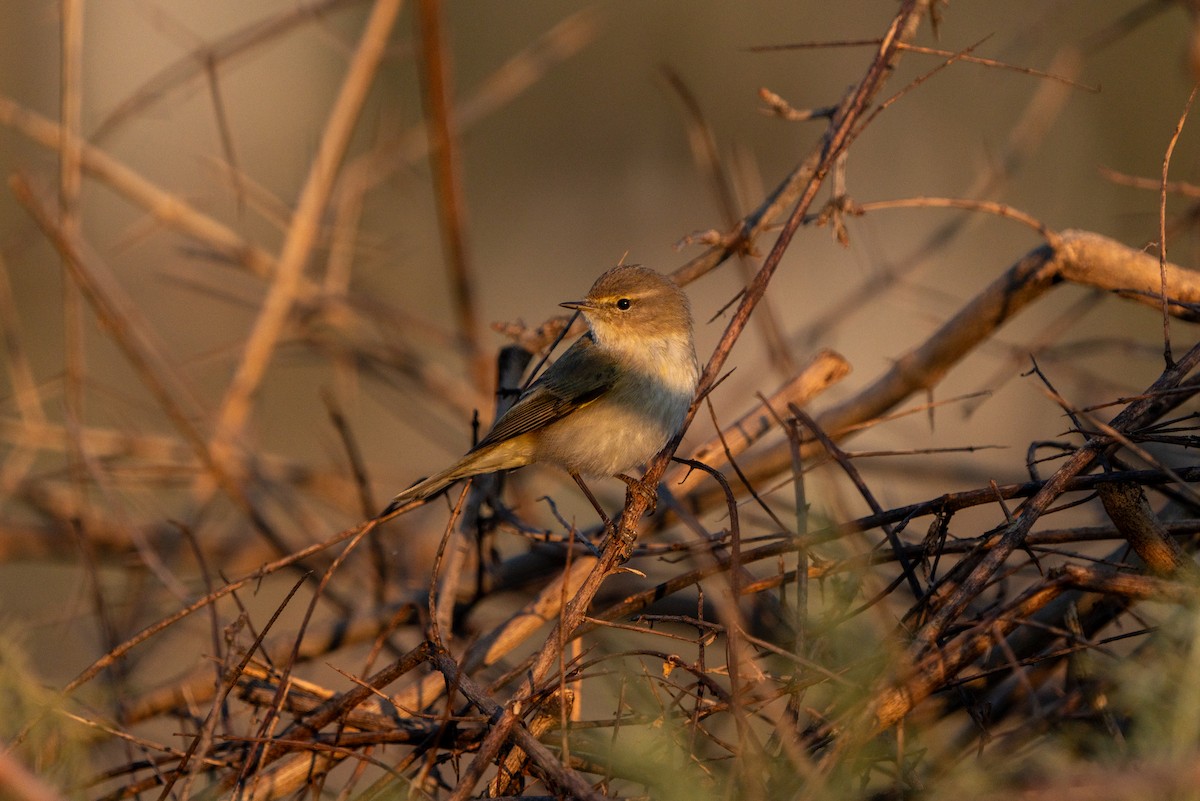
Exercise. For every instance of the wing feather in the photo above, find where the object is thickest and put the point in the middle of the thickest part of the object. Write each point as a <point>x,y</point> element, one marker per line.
<point>582,375</point>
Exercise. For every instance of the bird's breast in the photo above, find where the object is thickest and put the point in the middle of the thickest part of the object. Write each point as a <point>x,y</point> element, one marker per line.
<point>632,421</point>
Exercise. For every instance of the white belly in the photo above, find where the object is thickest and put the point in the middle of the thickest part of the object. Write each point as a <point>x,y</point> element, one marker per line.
<point>622,429</point>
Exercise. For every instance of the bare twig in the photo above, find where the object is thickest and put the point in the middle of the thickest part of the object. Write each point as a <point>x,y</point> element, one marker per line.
<point>260,344</point>
<point>443,129</point>
<point>1162,228</point>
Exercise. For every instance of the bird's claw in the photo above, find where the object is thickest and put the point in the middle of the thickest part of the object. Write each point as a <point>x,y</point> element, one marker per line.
<point>636,487</point>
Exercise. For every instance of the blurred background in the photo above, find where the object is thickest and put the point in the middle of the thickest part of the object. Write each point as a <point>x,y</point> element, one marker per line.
<point>579,162</point>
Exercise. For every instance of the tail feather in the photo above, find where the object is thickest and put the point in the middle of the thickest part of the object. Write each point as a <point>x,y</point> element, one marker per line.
<point>496,456</point>
<point>425,489</point>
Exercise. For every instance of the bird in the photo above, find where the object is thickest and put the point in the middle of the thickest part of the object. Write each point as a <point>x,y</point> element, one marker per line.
<point>609,403</point>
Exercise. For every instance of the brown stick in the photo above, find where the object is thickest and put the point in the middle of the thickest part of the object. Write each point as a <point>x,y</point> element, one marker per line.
<point>1127,507</point>
<point>447,172</point>
<point>997,552</point>
<point>1081,257</point>
<point>260,345</point>
<point>561,778</point>
<point>117,312</point>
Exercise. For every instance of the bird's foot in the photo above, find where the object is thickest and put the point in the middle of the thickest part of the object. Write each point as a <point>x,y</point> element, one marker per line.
<point>637,487</point>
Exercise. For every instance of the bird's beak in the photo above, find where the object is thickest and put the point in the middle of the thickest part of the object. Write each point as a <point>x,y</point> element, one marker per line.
<point>577,305</point>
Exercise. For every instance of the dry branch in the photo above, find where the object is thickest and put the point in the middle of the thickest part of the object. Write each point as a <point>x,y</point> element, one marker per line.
<point>287,279</point>
<point>1081,257</point>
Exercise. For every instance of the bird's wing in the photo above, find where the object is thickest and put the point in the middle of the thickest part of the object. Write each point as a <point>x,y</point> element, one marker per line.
<point>582,375</point>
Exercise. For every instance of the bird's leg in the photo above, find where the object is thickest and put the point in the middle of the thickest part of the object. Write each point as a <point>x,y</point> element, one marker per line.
<point>609,528</point>
<point>639,487</point>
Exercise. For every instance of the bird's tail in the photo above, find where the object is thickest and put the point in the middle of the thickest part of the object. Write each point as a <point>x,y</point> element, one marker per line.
<point>426,489</point>
<point>488,459</point>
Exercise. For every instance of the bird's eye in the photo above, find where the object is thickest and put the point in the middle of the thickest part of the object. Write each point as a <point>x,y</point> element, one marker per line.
<point>624,303</point>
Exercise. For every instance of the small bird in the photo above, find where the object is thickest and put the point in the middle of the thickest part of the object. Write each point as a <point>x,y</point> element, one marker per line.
<point>612,401</point>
